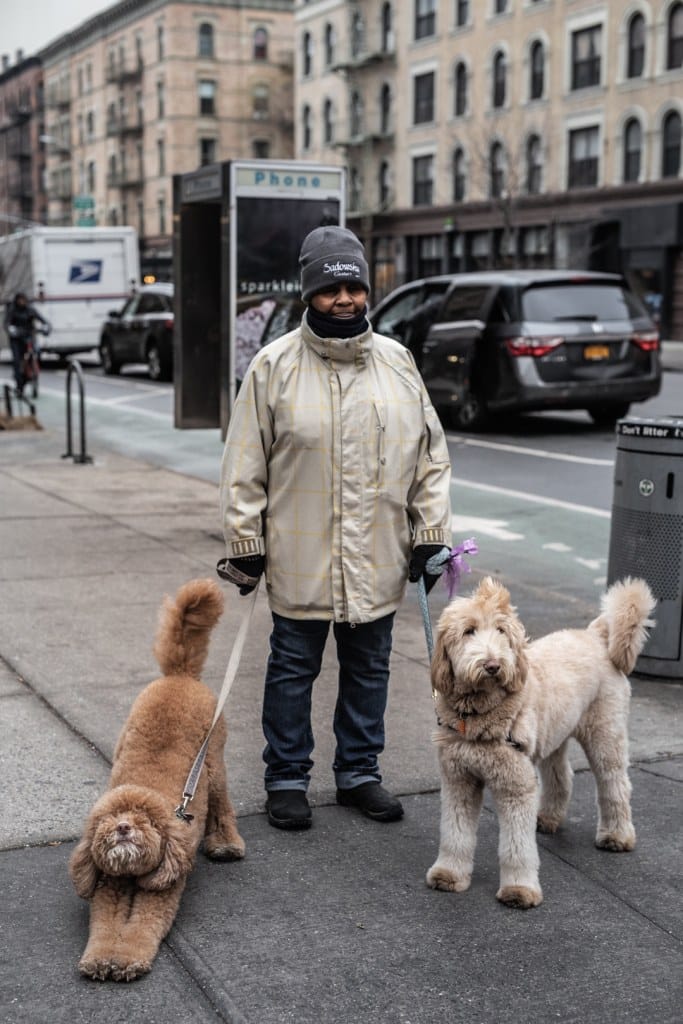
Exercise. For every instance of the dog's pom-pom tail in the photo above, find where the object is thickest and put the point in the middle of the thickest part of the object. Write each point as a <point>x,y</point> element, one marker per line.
<point>626,608</point>
<point>185,624</point>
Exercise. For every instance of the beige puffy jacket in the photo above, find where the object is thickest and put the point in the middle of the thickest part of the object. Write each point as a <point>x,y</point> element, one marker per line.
<point>335,466</point>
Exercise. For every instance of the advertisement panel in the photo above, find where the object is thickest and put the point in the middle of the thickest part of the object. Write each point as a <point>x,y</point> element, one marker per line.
<point>273,206</point>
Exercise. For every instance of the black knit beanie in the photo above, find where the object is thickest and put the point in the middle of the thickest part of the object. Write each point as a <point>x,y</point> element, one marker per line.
<point>329,256</point>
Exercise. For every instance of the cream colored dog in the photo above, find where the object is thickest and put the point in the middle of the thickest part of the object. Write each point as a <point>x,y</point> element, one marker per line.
<point>506,707</point>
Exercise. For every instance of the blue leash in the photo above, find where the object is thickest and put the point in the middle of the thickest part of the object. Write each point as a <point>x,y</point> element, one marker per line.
<point>452,562</point>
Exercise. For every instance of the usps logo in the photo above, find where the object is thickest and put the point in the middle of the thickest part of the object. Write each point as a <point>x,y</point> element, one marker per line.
<point>85,271</point>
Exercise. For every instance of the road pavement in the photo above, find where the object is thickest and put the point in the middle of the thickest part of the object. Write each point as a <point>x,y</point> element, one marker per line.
<point>332,925</point>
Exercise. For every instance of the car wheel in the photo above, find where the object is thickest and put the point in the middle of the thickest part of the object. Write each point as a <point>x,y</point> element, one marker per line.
<point>158,367</point>
<point>471,413</point>
<point>109,364</point>
<point>608,414</point>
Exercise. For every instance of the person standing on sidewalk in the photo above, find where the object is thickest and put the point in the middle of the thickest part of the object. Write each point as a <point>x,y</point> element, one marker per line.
<point>335,480</point>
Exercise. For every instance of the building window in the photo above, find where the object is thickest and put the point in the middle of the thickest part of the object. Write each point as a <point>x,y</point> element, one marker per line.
<point>260,41</point>
<point>584,155</point>
<point>633,141</point>
<point>260,101</point>
<point>423,98</point>
<point>307,54</point>
<point>460,89</point>
<point>306,127</point>
<point>141,218</point>
<point>91,177</point>
<point>536,70</point>
<point>385,109</point>
<point>161,157</point>
<point>161,43</point>
<point>112,175</point>
<point>635,59</point>
<point>260,149</point>
<point>500,6</point>
<point>459,175</point>
<point>328,122</point>
<point>88,77</point>
<point>671,145</point>
<point>425,18</point>
<point>384,190</point>
<point>354,189</point>
<point>161,207</point>
<point>499,80</point>
<point>356,115</point>
<point>586,57</point>
<point>423,180</point>
<point>429,249</point>
<point>330,45</point>
<point>161,100</point>
<point>207,97</point>
<point>534,165</point>
<point>674,37</point>
<point>388,43</point>
<point>462,13</point>
<point>496,170</point>
<point>90,125</point>
<point>205,40</point>
<point>207,152</point>
<point>357,34</point>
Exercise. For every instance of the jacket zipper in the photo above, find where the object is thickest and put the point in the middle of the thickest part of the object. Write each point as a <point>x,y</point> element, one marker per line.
<point>381,458</point>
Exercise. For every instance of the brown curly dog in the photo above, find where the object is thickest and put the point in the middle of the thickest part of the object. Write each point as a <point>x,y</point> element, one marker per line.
<point>136,854</point>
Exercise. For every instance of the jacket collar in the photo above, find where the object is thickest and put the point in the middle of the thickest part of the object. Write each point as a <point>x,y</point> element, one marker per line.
<point>339,350</point>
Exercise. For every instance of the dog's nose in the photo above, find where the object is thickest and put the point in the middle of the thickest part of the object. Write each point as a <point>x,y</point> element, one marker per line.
<point>123,828</point>
<point>492,668</point>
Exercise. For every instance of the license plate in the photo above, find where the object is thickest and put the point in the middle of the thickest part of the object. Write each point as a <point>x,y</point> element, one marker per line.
<point>596,352</point>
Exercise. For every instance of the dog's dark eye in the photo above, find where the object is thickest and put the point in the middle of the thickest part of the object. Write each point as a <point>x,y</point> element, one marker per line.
<point>500,630</point>
<point>470,631</point>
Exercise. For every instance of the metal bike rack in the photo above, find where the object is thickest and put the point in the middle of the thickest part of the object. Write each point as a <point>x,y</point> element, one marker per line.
<point>75,367</point>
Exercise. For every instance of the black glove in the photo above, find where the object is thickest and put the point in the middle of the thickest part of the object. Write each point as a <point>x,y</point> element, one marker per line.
<point>419,558</point>
<point>243,572</point>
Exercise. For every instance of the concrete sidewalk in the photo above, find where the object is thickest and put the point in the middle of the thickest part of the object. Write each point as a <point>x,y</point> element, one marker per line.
<point>334,925</point>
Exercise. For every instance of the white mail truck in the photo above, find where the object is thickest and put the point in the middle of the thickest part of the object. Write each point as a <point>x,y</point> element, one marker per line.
<point>73,277</point>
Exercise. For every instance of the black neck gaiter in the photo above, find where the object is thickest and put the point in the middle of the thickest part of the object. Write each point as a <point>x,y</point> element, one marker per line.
<point>325,326</point>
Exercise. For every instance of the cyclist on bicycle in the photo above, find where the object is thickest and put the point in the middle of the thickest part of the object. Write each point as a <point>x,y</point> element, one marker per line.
<point>20,317</point>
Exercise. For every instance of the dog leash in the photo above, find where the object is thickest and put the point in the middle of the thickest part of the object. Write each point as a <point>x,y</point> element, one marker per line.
<point>230,673</point>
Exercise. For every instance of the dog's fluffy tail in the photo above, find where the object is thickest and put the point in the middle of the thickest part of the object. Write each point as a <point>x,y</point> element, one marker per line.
<point>626,610</point>
<point>185,624</point>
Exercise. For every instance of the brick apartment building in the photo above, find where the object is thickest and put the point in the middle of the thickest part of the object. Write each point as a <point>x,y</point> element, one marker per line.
<point>151,88</point>
<point>22,196</point>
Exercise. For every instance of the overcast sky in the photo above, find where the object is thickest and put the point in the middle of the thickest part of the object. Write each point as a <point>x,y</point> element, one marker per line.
<point>29,25</point>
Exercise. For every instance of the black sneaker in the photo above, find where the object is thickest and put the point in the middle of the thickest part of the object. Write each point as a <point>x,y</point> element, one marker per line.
<point>288,808</point>
<point>373,800</point>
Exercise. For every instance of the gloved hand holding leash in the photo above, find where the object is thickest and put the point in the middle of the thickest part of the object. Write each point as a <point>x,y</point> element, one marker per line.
<point>428,562</point>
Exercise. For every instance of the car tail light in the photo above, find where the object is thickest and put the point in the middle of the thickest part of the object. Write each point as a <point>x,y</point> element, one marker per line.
<point>648,341</point>
<point>169,324</point>
<point>531,346</point>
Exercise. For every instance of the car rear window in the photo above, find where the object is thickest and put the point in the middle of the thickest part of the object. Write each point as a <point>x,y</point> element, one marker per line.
<point>580,301</point>
<point>464,303</point>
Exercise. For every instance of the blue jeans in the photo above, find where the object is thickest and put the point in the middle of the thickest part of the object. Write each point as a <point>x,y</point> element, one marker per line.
<point>296,647</point>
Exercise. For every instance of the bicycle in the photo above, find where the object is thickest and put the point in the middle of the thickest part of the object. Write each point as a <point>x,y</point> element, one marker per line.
<point>30,364</point>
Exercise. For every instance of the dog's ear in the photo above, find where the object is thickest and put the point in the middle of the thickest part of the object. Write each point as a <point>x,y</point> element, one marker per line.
<point>175,864</point>
<point>82,869</point>
<point>519,643</point>
<point>441,668</point>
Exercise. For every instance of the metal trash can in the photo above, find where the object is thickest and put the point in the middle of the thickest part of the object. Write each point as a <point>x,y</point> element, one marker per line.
<point>646,537</point>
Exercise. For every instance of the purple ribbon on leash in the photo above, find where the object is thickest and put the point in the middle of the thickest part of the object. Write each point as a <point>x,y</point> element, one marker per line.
<point>456,565</point>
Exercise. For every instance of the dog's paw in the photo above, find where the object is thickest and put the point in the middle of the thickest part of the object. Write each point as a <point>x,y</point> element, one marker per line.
<point>217,847</point>
<point>439,877</point>
<point>547,824</point>
<point>621,843</point>
<point>95,968</point>
<point>130,971</point>
<point>520,896</point>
